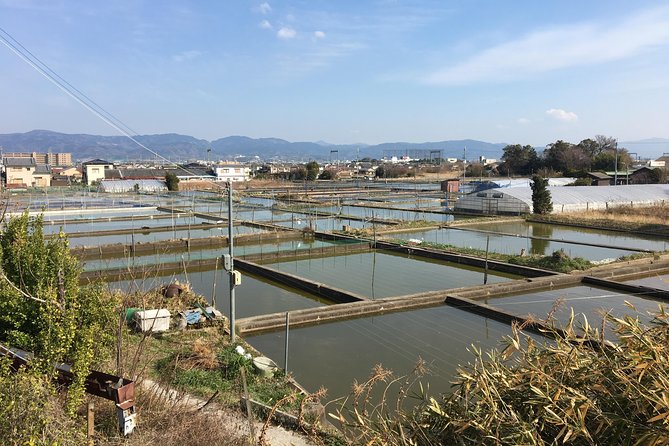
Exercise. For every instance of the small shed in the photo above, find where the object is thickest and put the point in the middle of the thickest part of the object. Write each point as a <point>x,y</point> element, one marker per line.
<point>450,186</point>
<point>600,178</point>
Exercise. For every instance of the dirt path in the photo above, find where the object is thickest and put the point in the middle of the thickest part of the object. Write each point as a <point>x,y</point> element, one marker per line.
<point>275,436</point>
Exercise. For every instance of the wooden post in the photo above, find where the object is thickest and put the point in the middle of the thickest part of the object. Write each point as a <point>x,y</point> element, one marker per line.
<point>249,413</point>
<point>91,422</point>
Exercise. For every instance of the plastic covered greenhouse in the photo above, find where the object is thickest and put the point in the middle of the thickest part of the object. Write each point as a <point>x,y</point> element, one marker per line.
<point>518,200</point>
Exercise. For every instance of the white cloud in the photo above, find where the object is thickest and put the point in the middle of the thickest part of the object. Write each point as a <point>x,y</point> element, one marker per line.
<point>562,115</point>
<point>186,55</point>
<point>286,33</point>
<point>523,121</point>
<point>263,8</point>
<point>319,34</point>
<point>558,48</point>
<point>265,24</point>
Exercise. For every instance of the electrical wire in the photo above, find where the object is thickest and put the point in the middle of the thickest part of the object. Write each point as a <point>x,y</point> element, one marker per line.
<point>84,100</point>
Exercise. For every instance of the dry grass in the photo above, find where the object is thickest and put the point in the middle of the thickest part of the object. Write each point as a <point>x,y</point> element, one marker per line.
<point>652,219</point>
<point>658,215</point>
<point>167,421</point>
<point>580,389</point>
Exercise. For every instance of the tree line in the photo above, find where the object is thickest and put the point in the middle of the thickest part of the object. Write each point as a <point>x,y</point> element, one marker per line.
<point>565,158</point>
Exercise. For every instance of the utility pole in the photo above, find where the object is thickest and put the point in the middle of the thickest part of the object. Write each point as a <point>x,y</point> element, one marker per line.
<point>234,276</point>
<point>615,174</point>
<point>464,164</point>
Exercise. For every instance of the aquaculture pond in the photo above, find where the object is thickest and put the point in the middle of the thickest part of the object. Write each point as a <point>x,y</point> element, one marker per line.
<point>619,240</point>
<point>290,246</point>
<point>508,244</point>
<point>382,213</point>
<point>660,281</point>
<point>383,274</point>
<point>589,301</point>
<point>335,355</point>
<point>152,237</point>
<point>134,224</point>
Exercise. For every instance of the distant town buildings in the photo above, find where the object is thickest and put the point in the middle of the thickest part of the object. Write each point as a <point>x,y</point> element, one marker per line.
<point>52,159</point>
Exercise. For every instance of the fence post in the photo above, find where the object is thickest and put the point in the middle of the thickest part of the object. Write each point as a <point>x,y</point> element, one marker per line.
<point>285,358</point>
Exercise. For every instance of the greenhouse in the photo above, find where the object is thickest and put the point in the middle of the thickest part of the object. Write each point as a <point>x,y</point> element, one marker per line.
<point>518,200</point>
<point>121,186</point>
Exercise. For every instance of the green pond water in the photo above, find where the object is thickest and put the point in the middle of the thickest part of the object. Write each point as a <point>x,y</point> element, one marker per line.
<point>337,354</point>
<point>586,301</point>
<point>382,274</point>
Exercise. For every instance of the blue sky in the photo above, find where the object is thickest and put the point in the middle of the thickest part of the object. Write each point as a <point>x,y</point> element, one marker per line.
<point>527,72</point>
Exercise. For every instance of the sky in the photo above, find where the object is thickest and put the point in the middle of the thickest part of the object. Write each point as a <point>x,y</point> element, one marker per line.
<point>341,71</point>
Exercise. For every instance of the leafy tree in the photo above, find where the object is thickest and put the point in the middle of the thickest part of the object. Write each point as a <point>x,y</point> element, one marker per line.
<point>390,171</point>
<point>326,175</point>
<point>541,196</point>
<point>298,174</point>
<point>476,170</point>
<point>604,161</point>
<point>520,160</point>
<point>567,158</point>
<point>312,170</point>
<point>44,309</point>
<point>172,181</point>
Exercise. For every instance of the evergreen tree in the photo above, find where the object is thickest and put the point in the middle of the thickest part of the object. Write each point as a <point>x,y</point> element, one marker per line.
<point>541,196</point>
<point>172,181</point>
<point>312,170</point>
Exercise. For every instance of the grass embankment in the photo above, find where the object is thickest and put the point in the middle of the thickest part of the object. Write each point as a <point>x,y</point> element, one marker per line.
<point>649,219</point>
<point>200,359</point>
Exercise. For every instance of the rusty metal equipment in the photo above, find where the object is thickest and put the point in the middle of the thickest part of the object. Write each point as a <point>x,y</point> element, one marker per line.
<point>104,385</point>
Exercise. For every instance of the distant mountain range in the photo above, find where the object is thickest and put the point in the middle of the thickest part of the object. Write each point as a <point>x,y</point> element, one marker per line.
<point>177,147</point>
<point>183,148</point>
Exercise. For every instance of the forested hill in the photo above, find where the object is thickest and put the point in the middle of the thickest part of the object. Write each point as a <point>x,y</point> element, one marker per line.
<point>183,147</point>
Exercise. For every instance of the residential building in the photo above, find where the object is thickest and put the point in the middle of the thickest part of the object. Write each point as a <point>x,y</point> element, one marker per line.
<point>94,170</point>
<point>26,172</point>
<point>232,172</point>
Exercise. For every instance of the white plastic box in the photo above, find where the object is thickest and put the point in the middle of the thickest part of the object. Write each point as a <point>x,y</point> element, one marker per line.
<point>153,320</point>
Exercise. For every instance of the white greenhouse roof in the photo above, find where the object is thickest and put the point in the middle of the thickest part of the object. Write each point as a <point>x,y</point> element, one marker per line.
<point>525,182</point>
<point>129,185</point>
<point>640,193</point>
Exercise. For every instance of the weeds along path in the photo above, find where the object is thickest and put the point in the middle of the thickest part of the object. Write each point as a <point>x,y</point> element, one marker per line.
<point>275,435</point>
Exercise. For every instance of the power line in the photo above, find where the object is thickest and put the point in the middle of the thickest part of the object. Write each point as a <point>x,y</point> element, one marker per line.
<point>28,57</point>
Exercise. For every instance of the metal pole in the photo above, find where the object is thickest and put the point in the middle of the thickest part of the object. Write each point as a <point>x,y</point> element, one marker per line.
<point>285,358</point>
<point>485,273</point>
<point>615,175</point>
<point>232,269</point>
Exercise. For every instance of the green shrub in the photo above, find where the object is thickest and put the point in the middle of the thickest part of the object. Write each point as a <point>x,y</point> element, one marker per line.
<point>232,362</point>
<point>558,261</point>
